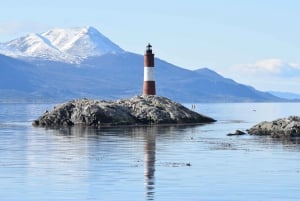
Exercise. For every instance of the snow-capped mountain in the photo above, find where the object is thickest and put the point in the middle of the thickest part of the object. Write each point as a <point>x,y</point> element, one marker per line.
<point>63,64</point>
<point>81,42</point>
<point>68,45</point>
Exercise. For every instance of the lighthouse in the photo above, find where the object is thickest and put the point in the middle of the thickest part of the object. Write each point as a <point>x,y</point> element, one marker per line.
<point>149,81</point>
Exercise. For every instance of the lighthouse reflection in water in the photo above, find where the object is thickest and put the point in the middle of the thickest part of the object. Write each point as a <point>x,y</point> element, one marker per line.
<point>178,162</point>
<point>149,161</point>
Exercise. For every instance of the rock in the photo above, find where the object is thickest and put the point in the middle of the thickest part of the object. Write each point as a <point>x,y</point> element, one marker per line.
<point>136,110</point>
<point>237,132</point>
<point>280,128</point>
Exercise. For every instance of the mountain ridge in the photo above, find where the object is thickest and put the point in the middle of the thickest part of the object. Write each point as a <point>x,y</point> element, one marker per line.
<point>112,74</point>
<point>286,95</point>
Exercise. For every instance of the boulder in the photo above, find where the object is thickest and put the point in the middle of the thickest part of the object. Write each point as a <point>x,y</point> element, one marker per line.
<point>137,110</point>
<point>280,128</point>
<point>237,132</point>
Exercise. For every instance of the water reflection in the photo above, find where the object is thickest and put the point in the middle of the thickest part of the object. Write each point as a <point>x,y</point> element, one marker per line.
<point>116,142</point>
<point>149,162</point>
<point>136,163</point>
<point>291,143</point>
<point>130,158</point>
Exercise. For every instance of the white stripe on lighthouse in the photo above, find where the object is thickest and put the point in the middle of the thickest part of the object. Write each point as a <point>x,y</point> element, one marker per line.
<point>149,74</point>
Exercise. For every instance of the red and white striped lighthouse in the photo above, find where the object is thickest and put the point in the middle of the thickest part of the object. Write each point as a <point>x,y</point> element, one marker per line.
<point>149,81</point>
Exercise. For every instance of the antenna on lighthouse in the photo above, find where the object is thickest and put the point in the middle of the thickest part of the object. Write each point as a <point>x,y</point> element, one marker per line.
<point>149,81</point>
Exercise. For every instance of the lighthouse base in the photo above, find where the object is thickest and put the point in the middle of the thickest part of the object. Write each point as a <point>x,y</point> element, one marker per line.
<point>149,88</point>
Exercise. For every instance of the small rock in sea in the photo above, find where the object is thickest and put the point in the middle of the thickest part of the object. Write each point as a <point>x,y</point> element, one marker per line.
<point>279,128</point>
<point>237,132</point>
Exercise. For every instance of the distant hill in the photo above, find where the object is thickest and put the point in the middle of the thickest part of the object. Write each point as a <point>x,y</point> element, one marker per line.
<point>286,95</point>
<point>64,64</point>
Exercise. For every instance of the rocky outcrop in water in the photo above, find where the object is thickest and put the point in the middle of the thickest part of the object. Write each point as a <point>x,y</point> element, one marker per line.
<point>280,128</point>
<point>237,132</point>
<point>133,111</point>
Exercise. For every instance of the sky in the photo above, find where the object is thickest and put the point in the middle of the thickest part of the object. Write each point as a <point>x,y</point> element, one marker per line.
<point>254,42</point>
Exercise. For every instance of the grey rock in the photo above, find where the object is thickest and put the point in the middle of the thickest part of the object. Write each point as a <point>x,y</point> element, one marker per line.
<point>280,128</point>
<point>136,110</point>
<point>237,132</point>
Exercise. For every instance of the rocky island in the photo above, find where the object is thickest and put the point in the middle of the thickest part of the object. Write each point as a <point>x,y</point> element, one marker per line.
<point>280,128</point>
<point>139,110</point>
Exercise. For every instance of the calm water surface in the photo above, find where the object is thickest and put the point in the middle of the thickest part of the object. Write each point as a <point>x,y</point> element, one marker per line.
<point>149,163</point>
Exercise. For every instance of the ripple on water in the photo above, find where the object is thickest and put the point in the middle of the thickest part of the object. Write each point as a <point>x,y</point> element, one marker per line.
<point>182,162</point>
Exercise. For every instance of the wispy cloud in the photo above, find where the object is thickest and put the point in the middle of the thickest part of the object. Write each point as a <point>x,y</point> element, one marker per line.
<point>9,28</point>
<point>268,74</point>
<point>19,28</point>
<point>275,67</point>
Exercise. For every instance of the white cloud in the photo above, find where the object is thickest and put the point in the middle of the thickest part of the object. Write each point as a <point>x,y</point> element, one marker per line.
<point>270,67</point>
<point>295,65</point>
<point>268,74</point>
<point>14,29</point>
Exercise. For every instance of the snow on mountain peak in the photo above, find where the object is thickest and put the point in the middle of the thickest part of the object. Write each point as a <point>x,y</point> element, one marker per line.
<point>31,44</point>
<point>82,42</point>
<point>68,45</point>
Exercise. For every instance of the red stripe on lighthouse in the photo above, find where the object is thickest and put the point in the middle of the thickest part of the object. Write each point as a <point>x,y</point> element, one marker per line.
<point>149,80</point>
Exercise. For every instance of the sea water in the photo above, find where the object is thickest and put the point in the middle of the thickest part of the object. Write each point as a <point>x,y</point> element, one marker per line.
<point>178,162</point>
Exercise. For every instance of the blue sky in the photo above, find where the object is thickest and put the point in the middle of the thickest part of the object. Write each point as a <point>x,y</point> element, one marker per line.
<point>255,42</point>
